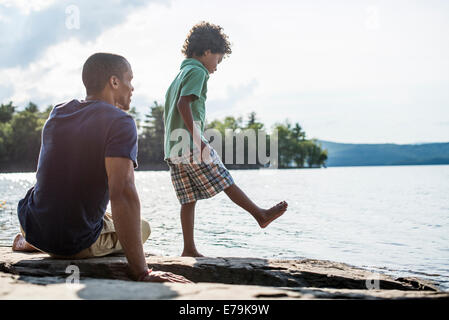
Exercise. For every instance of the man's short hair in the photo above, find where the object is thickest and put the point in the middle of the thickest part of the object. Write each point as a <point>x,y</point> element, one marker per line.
<point>206,36</point>
<point>100,67</point>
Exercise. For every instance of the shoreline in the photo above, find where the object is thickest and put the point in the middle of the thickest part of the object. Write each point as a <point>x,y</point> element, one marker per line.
<point>393,273</point>
<point>215,278</point>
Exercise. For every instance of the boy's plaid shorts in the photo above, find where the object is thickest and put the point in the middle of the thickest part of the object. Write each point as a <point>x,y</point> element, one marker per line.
<point>198,180</point>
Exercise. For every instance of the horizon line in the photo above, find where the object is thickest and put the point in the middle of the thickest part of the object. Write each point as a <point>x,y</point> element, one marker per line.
<point>374,143</point>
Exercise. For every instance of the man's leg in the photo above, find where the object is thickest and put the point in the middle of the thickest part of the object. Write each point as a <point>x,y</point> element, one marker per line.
<point>187,223</point>
<point>263,216</point>
<point>107,242</point>
<point>20,244</point>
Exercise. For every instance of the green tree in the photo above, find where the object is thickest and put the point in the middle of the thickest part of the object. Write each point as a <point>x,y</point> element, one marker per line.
<point>256,126</point>
<point>297,132</point>
<point>285,148</point>
<point>316,156</point>
<point>133,112</point>
<point>151,141</point>
<point>20,138</point>
<point>32,107</point>
<point>295,150</point>
<point>6,112</point>
<point>46,113</point>
<point>253,123</point>
<point>25,137</point>
<point>5,133</point>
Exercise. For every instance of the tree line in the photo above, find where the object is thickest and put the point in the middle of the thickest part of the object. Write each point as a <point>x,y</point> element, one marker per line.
<point>20,139</point>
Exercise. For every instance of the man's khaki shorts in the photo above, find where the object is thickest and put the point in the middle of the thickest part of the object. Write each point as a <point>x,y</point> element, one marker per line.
<point>106,243</point>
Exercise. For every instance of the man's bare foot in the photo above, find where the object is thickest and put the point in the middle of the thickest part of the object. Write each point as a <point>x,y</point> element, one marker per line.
<point>20,244</point>
<point>191,253</point>
<point>272,214</point>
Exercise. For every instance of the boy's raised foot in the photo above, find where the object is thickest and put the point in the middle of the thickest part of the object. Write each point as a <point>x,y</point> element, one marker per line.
<point>272,214</point>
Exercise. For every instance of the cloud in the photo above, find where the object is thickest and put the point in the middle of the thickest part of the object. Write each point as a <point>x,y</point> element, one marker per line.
<point>27,34</point>
<point>314,62</point>
<point>26,6</point>
<point>6,91</point>
<point>234,95</point>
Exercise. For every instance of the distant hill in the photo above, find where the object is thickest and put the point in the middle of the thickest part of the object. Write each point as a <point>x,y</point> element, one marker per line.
<point>349,154</point>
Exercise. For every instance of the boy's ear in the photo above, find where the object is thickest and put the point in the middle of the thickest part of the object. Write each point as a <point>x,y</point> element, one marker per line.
<point>207,52</point>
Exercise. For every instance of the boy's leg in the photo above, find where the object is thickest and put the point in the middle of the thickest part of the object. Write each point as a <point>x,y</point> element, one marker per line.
<point>263,216</point>
<point>187,194</point>
<point>187,223</point>
<point>215,177</point>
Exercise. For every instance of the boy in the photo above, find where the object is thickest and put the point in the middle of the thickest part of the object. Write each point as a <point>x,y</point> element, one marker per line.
<point>200,178</point>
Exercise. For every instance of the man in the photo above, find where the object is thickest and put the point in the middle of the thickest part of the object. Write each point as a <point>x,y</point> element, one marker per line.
<point>87,158</point>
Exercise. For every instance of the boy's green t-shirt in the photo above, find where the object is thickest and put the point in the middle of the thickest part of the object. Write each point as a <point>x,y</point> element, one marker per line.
<point>191,80</point>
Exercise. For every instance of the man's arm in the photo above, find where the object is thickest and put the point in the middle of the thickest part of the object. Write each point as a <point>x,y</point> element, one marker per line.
<point>125,207</point>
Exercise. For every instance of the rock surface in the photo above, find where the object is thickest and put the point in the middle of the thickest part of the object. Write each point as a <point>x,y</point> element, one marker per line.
<point>36,276</point>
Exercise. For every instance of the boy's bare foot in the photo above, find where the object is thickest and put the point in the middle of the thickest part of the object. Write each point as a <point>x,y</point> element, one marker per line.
<point>272,214</point>
<point>20,244</point>
<point>191,253</point>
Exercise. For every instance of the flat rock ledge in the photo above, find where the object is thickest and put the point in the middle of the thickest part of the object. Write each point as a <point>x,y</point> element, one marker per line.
<point>37,276</point>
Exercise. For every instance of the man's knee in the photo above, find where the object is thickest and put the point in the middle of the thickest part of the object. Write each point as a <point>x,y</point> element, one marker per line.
<point>146,230</point>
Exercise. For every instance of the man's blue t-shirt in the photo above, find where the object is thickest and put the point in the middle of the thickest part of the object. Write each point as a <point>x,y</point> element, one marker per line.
<point>63,213</point>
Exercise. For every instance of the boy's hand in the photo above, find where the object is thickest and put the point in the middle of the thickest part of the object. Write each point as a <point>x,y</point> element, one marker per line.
<point>186,114</point>
<point>205,153</point>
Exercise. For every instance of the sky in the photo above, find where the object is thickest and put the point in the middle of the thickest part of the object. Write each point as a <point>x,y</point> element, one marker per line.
<point>366,71</point>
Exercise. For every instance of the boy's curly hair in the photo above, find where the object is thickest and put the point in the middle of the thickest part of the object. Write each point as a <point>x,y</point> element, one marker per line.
<point>206,36</point>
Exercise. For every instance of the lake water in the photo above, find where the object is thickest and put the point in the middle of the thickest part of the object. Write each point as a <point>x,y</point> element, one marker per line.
<point>392,219</point>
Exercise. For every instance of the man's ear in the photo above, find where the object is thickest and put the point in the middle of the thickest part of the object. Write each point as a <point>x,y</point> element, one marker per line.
<point>114,82</point>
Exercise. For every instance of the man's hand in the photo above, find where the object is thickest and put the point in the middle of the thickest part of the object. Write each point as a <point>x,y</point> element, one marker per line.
<point>160,276</point>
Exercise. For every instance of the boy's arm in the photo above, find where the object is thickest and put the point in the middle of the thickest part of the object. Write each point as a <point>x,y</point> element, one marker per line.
<point>186,114</point>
